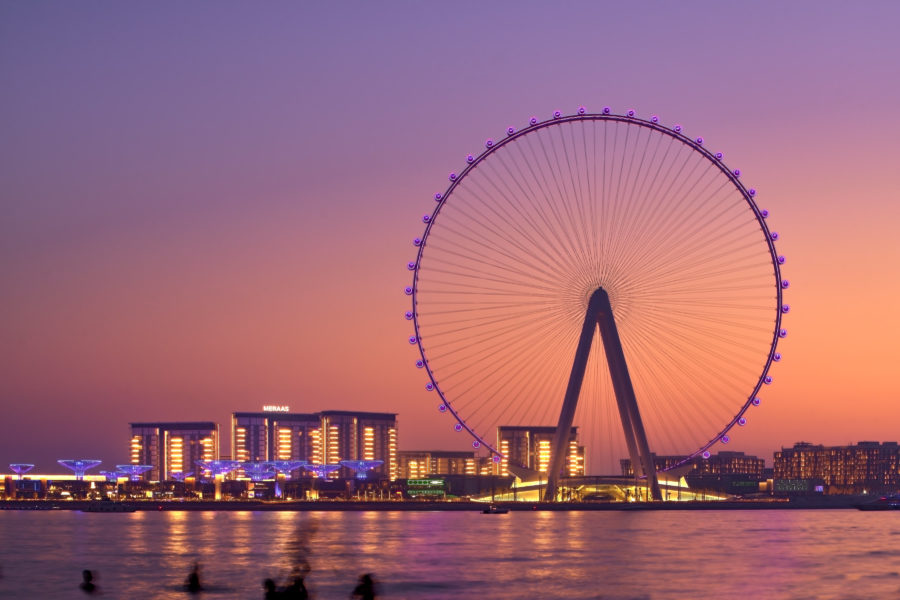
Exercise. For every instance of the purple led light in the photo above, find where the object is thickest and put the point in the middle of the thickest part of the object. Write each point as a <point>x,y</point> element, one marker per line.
<point>581,110</point>
<point>776,357</point>
<point>438,196</point>
<point>429,386</point>
<point>719,155</point>
<point>742,421</point>
<point>457,427</point>
<point>782,333</point>
<point>533,120</point>
<point>409,315</point>
<point>781,260</point>
<point>737,172</point>
<point>510,130</point>
<point>752,192</point>
<point>420,364</point>
<point>411,265</point>
<point>706,454</point>
<point>452,176</point>
<point>768,379</point>
<point>677,128</point>
<point>654,119</point>
<point>442,408</point>
<point>408,290</point>
<point>606,110</point>
<point>630,112</point>
<point>426,218</point>
<point>476,444</point>
<point>699,140</point>
<point>764,213</point>
<point>556,114</point>
<point>417,241</point>
<point>725,439</point>
<point>412,339</point>
<point>496,458</point>
<point>785,308</point>
<point>756,401</point>
<point>488,143</point>
<point>785,284</point>
<point>470,159</point>
<point>774,235</point>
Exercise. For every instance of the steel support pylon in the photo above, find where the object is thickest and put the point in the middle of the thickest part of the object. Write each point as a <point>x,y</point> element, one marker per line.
<point>599,313</point>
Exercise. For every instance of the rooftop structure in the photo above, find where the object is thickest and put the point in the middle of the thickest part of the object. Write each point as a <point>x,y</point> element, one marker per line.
<point>361,467</point>
<point>79,465</point>
<point>21,468</point>
<point>134,472</point>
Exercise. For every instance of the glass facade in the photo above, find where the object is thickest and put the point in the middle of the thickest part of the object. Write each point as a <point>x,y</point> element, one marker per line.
<point>173,448</point>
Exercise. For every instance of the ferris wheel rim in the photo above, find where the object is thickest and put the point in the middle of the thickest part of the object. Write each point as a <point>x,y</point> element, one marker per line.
<point>675,132</point>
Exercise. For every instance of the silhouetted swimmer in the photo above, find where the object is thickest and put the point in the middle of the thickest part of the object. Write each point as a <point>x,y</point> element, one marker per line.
<point>271,592</point>
<point>296,590</point>
<point>87,584</point>
<point>192,585</point>
<point>366,588</point>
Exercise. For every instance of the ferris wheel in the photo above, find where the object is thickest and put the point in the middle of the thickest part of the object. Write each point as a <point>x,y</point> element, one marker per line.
<point>602,271</point>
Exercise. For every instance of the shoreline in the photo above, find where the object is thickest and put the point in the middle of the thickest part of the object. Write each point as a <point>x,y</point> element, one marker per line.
<point>834,502</point>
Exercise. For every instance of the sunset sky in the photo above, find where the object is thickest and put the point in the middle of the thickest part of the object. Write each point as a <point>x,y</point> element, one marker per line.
<point>208,207</point>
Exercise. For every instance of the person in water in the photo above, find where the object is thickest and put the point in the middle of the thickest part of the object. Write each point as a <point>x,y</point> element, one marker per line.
<point>87,584</point>
<point>365,589</point>
<point>192,585</point>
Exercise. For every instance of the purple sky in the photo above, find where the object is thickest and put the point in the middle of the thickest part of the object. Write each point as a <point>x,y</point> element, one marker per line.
<point>208,207</point>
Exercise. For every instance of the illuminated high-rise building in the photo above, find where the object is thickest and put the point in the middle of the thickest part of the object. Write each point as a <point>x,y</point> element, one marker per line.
<point>350,435</point>
<point>173,448</point>
<point>274,434</point>
<point>529,447</point>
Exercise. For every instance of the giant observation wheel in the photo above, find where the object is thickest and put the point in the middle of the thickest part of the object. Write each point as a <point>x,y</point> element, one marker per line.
<point>585,217</point>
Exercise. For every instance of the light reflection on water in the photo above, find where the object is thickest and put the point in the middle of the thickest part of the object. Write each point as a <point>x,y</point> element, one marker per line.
<point>612,555</point>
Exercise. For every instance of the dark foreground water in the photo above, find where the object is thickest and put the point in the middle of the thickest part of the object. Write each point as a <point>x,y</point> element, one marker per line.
<point>794,554</point>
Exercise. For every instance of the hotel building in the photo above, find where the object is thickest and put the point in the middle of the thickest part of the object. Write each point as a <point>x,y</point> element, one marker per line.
<point>173,447</point>
<point>864,467</point>
<point>529,447</point>
<point>722,463</point>
<point>416,464</point>
<point>275,435</point>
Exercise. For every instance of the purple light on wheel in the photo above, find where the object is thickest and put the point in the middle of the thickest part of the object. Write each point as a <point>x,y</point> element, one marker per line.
<point>556,114</point>
<point>785,308</point>
<point>510,130</point>
<point>785,284</point>
<point>756,401</point>
<point>606,110</point>
<point>630,112</point>
<point>417,241</point>
<point>457,427</point>
<point>654,119</point>
<point>470,159</point>
<point>742,421</point>
<point>699,140</point>
<point>420,364</point>
<point>411,265</point>
<point>782,333</point>
<point>752,192</point>
<point>764,213</point>
<point>719,156</point>
<point>706,454</point>
<point>438,196</point>
<point>737,172</point>
<point>409,315</point>
<point>429,386</point>
<point>781,260</point>
<point>725,439</point>
<point>476,444</point>
<point>496,458</point>
<point>488,143</point>
<point>412,339</point>
<point>426,218</point>
<point>768,379</point>
<point>774,235</point>
<point>533,121</point>
<point>442,408</point>
<point>452,176</point>
<point>408,290</point>
<point>581,110</point>
<point>776,357</point>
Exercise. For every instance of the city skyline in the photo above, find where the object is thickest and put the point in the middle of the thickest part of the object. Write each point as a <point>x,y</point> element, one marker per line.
<point>207,211</point>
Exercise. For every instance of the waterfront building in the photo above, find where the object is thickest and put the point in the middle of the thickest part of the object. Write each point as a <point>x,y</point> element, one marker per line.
<point>866,467</point>
<point>349,435</point>
<point>173,447</point>
<point>418,464</point>
<point>722,463</point>
<point>275,435</point>
<point>529,447</point>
